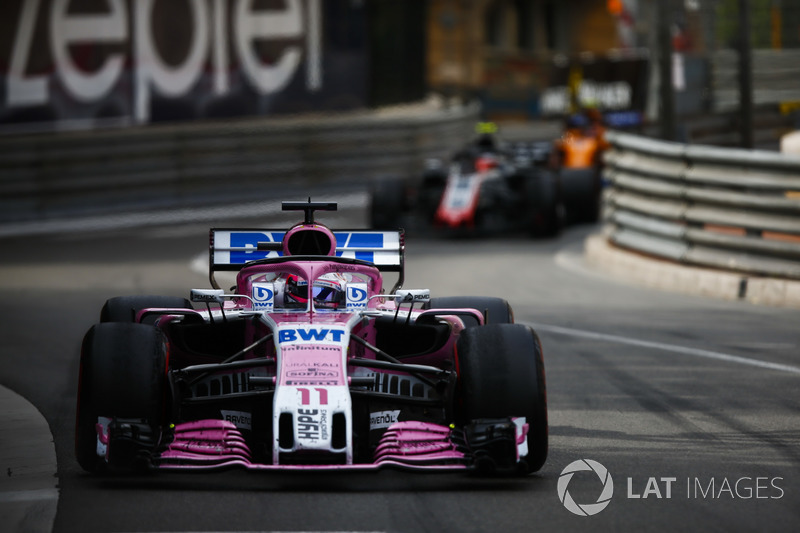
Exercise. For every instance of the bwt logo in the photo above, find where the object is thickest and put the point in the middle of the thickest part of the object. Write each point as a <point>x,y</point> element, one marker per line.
<point>249,241</point>
<point>360,245</point>
<point>309,335</point>
<point>263,295</point>
<point>356,296</point>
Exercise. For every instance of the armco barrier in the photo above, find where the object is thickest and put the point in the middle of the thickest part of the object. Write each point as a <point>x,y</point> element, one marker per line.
<point>45,176</point>
<point>737,210</point>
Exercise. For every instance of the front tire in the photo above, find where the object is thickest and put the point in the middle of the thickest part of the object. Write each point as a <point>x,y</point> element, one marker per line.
<point>122,375</point>
<point>501,374</point>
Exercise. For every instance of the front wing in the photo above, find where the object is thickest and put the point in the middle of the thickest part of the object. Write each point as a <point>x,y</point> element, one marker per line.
<point>488,446</point>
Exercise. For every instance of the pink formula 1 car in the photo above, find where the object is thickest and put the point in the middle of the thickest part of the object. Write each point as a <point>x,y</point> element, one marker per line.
<point>308,362</point>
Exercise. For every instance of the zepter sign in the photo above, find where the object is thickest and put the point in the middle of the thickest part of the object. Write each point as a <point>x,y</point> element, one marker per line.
<point>224,33</point>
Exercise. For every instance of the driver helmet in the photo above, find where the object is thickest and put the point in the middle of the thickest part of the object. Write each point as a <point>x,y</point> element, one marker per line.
<point>486,162</point>
<point>295,292</point>
<point>328,291</point>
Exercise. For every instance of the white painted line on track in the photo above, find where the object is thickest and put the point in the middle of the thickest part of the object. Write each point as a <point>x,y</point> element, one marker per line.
<point>28,495</point>
<point>696,352</point>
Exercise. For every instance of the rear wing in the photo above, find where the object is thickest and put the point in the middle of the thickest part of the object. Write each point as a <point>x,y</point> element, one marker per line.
<point>232,248</point>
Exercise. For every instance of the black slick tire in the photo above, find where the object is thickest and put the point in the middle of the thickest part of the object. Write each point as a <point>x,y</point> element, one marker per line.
<point>501,374</point>
<point>388,203</point>
<point>124,308</point>
<point>122,374</point>
<point>497,310</point>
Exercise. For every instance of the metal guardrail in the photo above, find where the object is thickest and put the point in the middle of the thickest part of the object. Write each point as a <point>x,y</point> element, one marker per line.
<point>45,176</point>
<point>722,208</point>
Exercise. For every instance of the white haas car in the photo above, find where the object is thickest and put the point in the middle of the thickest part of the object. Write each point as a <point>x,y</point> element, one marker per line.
<point>309,363</point>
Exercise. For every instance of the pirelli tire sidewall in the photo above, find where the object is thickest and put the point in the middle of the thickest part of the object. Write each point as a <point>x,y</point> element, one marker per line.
<point>501,374</point>
<point>122,374</point>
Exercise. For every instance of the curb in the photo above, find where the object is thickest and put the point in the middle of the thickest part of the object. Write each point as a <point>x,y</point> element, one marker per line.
<point>665,275</point>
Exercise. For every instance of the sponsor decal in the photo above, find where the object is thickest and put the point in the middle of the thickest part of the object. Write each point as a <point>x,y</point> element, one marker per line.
<point>310,334</point>
<point>310,364</point>
<point>248,240</point>
<point>383,419</point>
<point>245,246</point>
<point>264,296</point>
<point>311,372</point>
<point>311,348</point>
<point>311,375</point>
<point>356,296</point>
<point>240,419</point>
<point>312,425</point>
<point>320,393</point>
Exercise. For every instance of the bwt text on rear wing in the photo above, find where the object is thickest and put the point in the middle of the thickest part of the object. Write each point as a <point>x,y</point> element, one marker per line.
<point>232,248</point>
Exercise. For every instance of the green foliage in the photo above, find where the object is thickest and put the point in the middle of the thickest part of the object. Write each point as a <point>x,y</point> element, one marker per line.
<point>727,23</point>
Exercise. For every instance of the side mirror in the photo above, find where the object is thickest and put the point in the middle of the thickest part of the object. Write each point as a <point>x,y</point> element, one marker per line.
<point>412,295</point>
<point>207,295</point>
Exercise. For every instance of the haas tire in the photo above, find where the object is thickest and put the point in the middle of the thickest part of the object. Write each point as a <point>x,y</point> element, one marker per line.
<point>122,375</point>
<point>501,374</point>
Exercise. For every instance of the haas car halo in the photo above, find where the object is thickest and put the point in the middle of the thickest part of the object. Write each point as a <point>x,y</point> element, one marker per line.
<point>308,363</point>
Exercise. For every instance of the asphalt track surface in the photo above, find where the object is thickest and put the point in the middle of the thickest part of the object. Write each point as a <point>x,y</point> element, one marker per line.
<point>691,404</point>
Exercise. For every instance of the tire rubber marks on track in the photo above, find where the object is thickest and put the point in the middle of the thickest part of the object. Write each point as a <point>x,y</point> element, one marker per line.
<point>695,352</point>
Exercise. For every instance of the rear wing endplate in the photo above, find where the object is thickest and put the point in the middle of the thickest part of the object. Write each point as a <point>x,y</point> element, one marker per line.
<point>232,248</point>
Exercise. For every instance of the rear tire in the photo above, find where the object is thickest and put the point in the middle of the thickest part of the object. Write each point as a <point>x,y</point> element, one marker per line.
<point>543,203</point>
<point>582,190</point>
<point>501,374</point>
<point>122,374</point>
<point>125,308</point>
<point>430,193</point>
<point>497,310</point>
<point>388,203</point>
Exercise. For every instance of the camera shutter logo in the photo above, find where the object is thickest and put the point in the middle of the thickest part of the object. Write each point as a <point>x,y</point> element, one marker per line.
<point>587,509</point>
